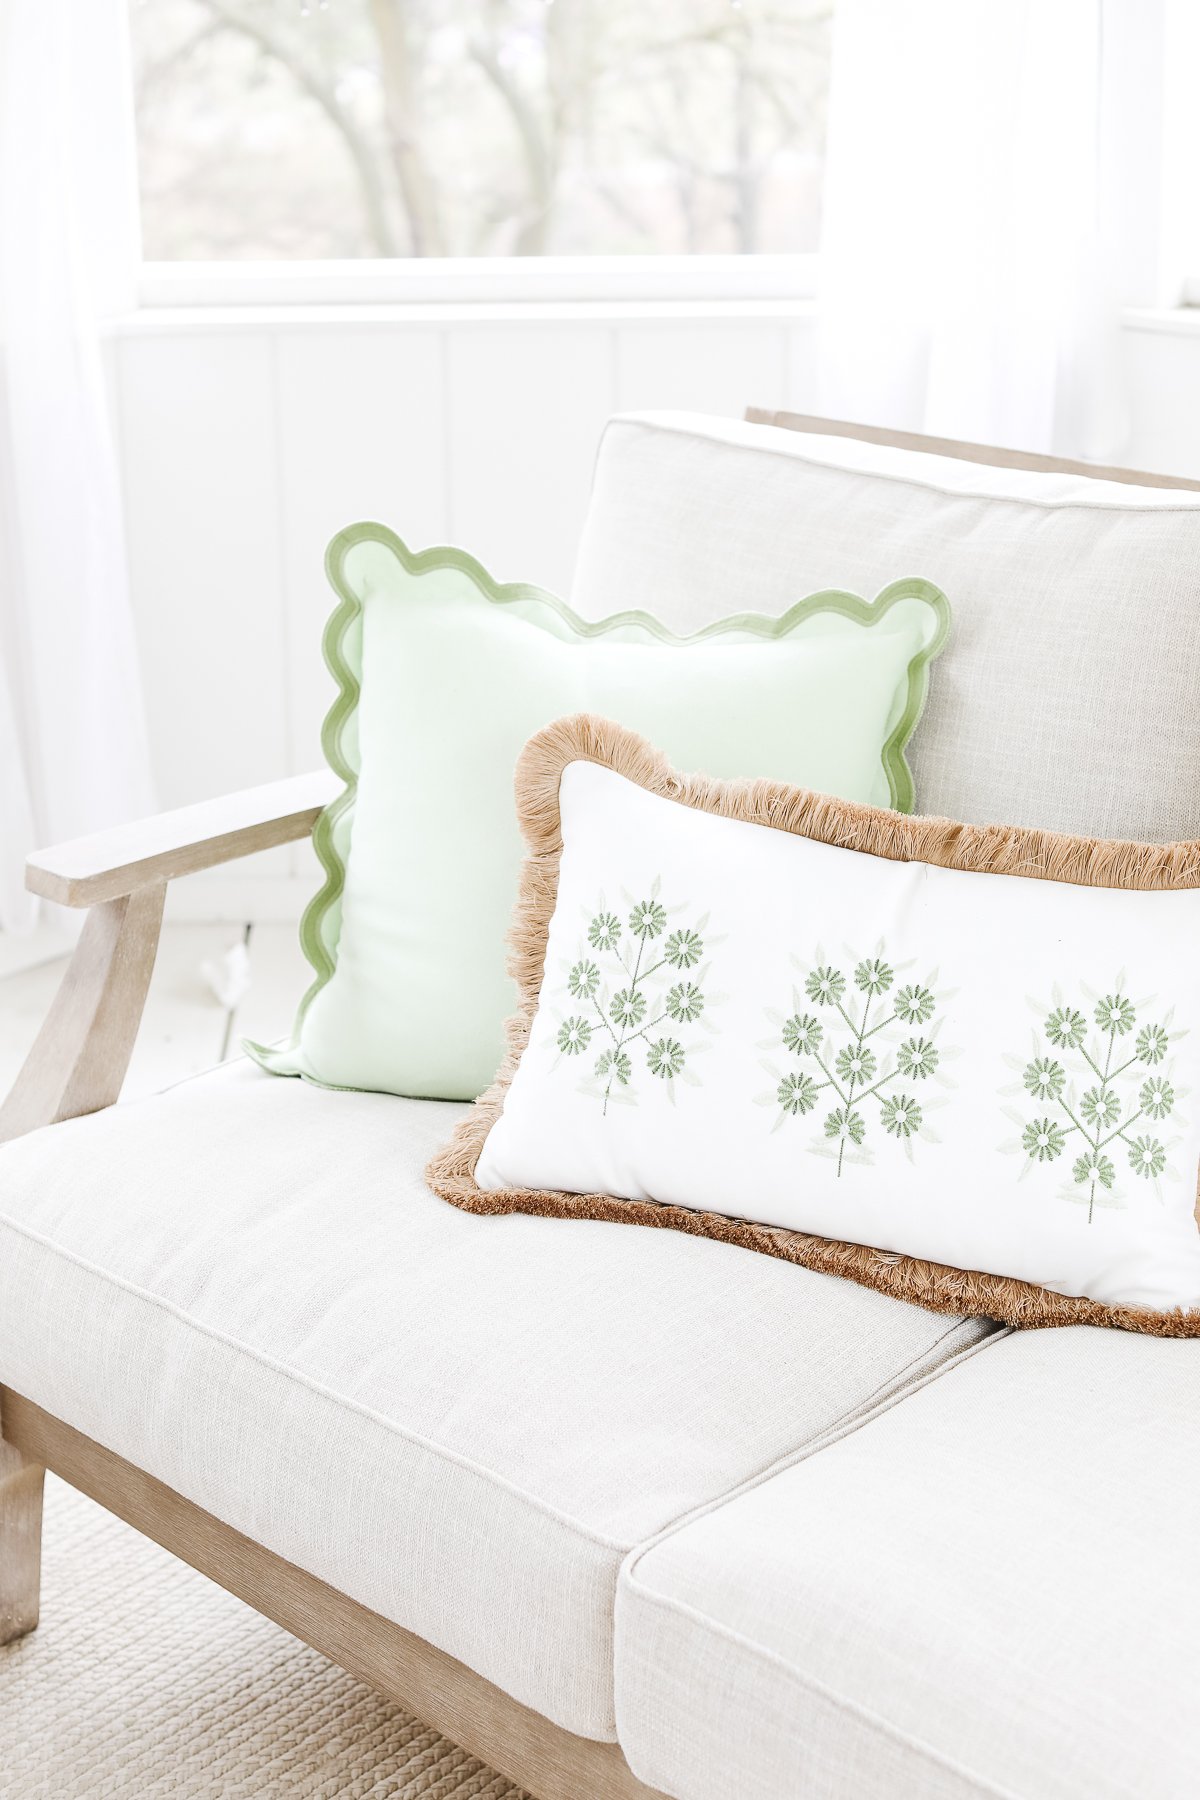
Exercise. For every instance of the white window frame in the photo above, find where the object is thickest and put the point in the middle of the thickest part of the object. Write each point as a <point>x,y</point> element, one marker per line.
<point>490,279</point>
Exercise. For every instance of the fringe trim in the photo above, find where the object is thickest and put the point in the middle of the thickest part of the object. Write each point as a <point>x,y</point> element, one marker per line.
<point>983,849</point>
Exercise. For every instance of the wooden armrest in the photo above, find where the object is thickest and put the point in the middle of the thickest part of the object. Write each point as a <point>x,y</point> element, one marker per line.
<point>81,1054</point>
<point>151,851</point>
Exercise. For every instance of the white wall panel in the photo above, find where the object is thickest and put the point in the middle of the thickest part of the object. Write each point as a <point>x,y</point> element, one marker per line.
<point>526,405</point>
<point>198,433</point>
<point>713,366</point>
<point>361,436</point>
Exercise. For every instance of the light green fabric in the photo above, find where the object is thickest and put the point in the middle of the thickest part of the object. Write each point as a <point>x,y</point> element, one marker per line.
<point>442,676</point>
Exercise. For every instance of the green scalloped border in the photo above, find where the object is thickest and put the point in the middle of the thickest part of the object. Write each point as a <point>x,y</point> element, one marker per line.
<point>321,956</point>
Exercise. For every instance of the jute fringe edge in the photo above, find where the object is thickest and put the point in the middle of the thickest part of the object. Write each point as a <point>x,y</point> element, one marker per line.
<point>989,849</point>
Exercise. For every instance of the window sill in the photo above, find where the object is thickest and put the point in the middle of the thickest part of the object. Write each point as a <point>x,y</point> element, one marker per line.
<point>521,281</point>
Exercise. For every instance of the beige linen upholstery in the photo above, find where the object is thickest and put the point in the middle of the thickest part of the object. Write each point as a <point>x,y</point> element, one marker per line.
<point>988,1590</point>
<point>1066,695</point>
<point>244,1287</point>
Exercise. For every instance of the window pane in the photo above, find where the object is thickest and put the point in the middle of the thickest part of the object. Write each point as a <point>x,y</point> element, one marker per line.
<point>351,128</point>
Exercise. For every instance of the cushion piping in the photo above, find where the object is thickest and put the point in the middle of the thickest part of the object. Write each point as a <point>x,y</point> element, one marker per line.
<point>641,423</point>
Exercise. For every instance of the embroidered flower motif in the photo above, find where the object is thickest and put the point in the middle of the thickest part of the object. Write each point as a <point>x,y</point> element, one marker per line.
<point>843,1122</point>
<point>857,1064</point>
<point>1044,1140</point>
<point>1156,1097</point>
<point>1115,1015</point>
<point>665,1058</point>
<point>802,1034</point>
<point>683,949</point>
<point>647,919</point>
<point>1100,1107</point>
<point>917,1058</point>
<point>615,1064</point>
<point>604,931</point>
<point>685,1003</point>
<point>1094,1167</point>
<point>1044,1078</point>
<point>583,980</point>
<point>825,986</point>
<point>901,1116</point>
<point>1152,1044</point>
<point>1066,1028</point>
<point>914,1005</point>
<point>1147,1157</point>
<point>873,977</point>
<point>797,1093</point>
<point>574,1036</point>
<point>627,1007</point>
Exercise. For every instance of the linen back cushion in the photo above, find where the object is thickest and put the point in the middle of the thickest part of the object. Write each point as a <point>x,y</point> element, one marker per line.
<point>1067,696</point>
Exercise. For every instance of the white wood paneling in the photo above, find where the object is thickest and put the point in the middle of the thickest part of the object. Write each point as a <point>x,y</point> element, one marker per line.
<point>362,435</point>
<point>526,405</point>
<point>708,366</point>
<point>199,432</point>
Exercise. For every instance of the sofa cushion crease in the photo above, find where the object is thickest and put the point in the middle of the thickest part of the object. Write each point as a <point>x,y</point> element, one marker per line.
<point>244,1287</point>
<point>981,1590</point>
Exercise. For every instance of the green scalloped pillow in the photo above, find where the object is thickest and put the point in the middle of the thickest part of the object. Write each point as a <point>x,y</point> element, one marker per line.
<point>442,677</point>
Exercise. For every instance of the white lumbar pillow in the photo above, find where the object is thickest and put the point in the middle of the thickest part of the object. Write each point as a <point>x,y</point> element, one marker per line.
<point>751,1003</point>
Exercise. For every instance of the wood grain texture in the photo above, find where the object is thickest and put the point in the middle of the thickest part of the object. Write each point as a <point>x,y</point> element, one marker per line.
<point>92,869</point>
<point>21,1484</point>
<point>551,1763</point>
<point>80,1055</point>
<point>989,454</point>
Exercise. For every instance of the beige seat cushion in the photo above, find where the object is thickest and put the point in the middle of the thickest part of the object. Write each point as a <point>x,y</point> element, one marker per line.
<point>1066,695</point>
<point>988,1590</point>
<point>245,1287</point>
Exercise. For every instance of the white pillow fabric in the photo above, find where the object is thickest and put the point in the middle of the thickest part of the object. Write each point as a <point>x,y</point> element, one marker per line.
<point>988,1071</point>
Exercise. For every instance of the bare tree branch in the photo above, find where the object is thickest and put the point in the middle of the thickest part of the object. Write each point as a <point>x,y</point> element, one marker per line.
<point>274,45</point>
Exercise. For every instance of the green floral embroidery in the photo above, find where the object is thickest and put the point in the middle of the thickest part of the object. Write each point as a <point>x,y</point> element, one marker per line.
<point>1094,1167</point>
<point>850,1058</point>
<point>901,1116</point>
<point>1114,1014</point>
<point>917,1058</point>
<point>1092,1094</point>
<point>574,1036</point>
<point>914,1005</point>
<point>1066,1029</point>
<point>1045,1078</point>
<point>797,1093</point>
<point>845,1123</point>
<point>628,991</point>
<point>665,1058</point>
<point>857,1064</point>
<point>1147,1157</point>
<point>647,920</point>
<point>825,986</point>
<point>684,949</point>
<point>616,1065</point>
<point>873,977</point>
<point>685,1003</point>
<point>1157,1097</point>
<point>1044,1140</point>
<point>803,1034</point>
<point>628,1007</point>
<point>604,931</point>
<point>583,980</point>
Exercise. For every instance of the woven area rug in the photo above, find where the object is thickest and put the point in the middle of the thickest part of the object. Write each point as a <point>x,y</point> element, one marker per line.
<point>145,1679</point>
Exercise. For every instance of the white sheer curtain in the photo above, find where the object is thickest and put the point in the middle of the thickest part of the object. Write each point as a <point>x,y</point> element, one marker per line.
<point>966,280</point>
<point>72,730</point>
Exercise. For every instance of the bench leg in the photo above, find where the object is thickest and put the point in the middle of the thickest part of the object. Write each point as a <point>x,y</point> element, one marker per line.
<point>21,1484</point>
